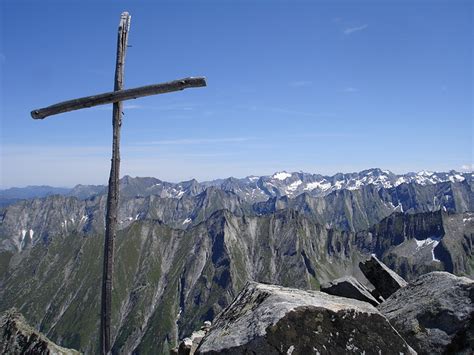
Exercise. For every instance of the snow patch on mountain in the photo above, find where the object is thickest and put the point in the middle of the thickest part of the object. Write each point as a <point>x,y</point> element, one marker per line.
<point>338,185</point>
<point>23,233</point>
<point>354,184</point>
<point>433,242</point>
<point>294,185</point>
<point>401,180</point>
<point>281,175</point>
<point>322,185</point>
<point>456,178</point>
<point>259,188</point>
<point>467,219</point>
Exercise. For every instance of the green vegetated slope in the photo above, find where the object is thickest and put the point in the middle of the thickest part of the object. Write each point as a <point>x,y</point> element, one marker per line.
<point>168,281</point>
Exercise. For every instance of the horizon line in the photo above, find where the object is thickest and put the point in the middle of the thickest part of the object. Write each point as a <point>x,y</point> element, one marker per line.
<point>469,170</point>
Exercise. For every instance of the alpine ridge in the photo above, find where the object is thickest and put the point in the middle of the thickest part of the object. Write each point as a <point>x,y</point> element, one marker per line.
<point>251,188</point>
<point>335,205</point>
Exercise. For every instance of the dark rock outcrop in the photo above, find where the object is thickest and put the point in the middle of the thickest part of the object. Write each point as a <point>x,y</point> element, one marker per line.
<point>349,287</point>
<point>385,280</point>
<point>434,313</point>
<point>419,243</point>
<point>188,346</point>
<point>17,337</point>
<point>268,319</point>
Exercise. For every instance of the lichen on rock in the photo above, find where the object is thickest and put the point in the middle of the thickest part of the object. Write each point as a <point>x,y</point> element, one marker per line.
<point>269,319</point>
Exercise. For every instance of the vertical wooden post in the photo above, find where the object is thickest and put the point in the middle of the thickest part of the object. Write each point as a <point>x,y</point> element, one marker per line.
<point>113,192</point>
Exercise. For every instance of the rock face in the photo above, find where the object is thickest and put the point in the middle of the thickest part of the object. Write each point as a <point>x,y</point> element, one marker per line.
<point>17,337</point>
<point>189,345</point>
<point>385,280</point>
<point>349,287</point>
<point>268,319</point>
<point>435,313</point>
<point>169,281</point>
<point>350,202</point>
<point>416,244</point>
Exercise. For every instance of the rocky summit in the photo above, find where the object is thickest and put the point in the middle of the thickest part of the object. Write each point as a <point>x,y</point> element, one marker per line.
<point>350,287</point>
<point>385,280</point>
<point>434,313</point>
<point>17,337</point>
<point>269,319</point>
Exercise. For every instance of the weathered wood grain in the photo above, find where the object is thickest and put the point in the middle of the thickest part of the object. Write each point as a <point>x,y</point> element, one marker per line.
<point>116,96</point>
<point>113,192</point>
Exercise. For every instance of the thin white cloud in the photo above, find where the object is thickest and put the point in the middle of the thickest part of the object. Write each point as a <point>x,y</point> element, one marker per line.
<point>284,111</point>
<point>54,151</point>
<point>300,83</point>
<point>350,89</point>
<point>191,141</point>
<point>467,167</point>
<point>171,107</point>
<point>132,106</point>
<point>321,135</point>
<point>351,30</point>
<point>54,165</point>
<point>126,106</point>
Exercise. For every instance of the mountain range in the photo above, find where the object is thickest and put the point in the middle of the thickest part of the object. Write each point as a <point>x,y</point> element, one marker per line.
<point>251,188</point>
<point>185,250</point>
<point>333,202</point>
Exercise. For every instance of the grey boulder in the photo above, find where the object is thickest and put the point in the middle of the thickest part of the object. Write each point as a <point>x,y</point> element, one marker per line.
<point>189,345</point>
<point>269,319</point>
<point>17,337</point>
<point>349,287</point>
<point>385,280</point>
<point>434,313</point>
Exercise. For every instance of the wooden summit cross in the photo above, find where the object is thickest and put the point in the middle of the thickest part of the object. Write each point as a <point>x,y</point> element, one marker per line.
<point>116,97</point>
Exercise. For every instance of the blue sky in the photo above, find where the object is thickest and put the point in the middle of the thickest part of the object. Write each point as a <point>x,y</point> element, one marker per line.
<point>318,86</point>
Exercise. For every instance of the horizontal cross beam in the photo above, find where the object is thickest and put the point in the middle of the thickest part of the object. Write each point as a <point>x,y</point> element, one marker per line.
<point>116,96</point>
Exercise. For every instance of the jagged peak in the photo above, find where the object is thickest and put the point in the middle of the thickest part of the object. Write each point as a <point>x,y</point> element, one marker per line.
<point>282,183</point>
